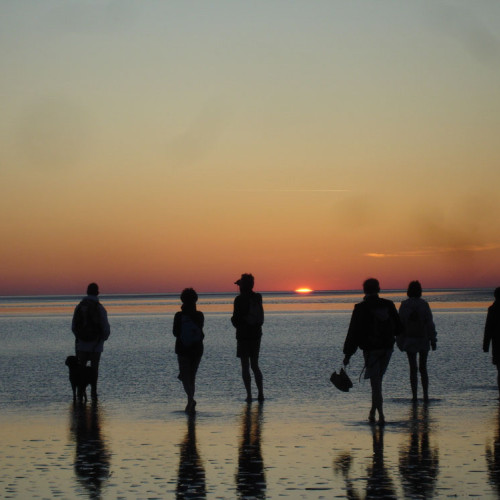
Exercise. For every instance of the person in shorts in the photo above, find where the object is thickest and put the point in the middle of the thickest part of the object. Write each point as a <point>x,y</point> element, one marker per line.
<point>248,318</point>
<point>374,325</point>
<point>188,333</point>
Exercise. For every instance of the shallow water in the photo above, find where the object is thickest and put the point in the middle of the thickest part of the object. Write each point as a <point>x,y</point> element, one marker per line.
<point>306,441</point>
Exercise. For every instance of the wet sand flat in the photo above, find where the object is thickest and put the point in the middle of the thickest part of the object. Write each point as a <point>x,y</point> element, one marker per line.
<point>253,451</point>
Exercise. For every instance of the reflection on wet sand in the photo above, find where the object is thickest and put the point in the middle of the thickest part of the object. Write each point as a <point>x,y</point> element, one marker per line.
<point>251,478</point>
<point>418,461</point>
<point>92,458</point>
<point>379,484</point>
<point>493,457</point>
<point>191,477</point>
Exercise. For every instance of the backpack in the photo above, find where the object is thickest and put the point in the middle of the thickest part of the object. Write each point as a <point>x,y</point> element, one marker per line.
<point>190,332</point>
<point>87,321</point>
<point>255,313</point>
<point>383,328</point>
<point>414,325</point>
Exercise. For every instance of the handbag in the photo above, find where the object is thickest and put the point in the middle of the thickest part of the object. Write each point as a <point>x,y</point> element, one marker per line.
<point>341,380</point>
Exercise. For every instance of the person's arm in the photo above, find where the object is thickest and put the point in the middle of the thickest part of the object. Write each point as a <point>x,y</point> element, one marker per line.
<point>73,321</point>
<point>488,331</point>
<point>177,327</point>
<point>105,328</point>
<point>352,338</point>
<point>238,313</point>
<point>430,326</point>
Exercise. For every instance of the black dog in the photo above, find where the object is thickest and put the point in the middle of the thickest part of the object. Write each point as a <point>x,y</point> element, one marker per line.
<point>80,377</point>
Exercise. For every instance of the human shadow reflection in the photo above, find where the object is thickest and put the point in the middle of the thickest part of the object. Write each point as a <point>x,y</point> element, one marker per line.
<point>250,477</point>
<point>493,456</point>
<point>191,481</point>
<point>92,456</point>
<point>379,483</point>
<point>418,460</point>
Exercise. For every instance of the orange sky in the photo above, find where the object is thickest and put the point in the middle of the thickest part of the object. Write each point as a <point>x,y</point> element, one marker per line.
<point>151,146</point>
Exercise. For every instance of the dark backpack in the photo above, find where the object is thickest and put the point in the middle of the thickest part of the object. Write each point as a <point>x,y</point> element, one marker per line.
<point>190,332</point>
<point>87,321</point>
<point>383,328</point>
<point>255,313</point>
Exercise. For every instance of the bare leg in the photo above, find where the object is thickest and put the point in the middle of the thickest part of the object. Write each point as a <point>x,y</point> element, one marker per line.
<point>424,377</point>
<point>412,360</point>
<point>498,380</point>
<point>188,368</point>
<point>254,362</point>
<point>377,399</point>
<point>247,379</point>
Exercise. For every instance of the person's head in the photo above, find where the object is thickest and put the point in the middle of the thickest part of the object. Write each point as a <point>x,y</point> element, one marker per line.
<point>414,289</point>
<point>371,286</point>
<point>497,293</point>
<point>245,283</point>
<point>93,289</point>
<point>189,296</point>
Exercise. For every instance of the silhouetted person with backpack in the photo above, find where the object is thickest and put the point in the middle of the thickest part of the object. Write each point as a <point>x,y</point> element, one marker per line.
<point>373,327</point>
<point>492,333</point>
<point>248,318</point>
<point>417,337</point>
<point>188,331</point>
<point>91,329</point>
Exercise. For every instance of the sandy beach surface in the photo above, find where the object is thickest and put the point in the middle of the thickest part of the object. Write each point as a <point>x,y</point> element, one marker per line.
<point>268,450</point>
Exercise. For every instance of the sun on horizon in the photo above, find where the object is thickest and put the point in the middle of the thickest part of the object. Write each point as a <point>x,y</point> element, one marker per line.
<point>303,290</point>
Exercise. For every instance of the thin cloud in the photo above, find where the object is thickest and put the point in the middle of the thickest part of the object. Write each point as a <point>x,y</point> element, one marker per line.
<point>293,190</point>
<point>436,250</point>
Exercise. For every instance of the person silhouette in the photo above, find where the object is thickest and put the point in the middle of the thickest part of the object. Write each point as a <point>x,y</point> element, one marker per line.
<point>373,327</point>
<point>191,481</point>
<point>248,318</point>
<point>492,333</point>
<point>418,335</point>
<point>92,457</point>
<point>188,332</point>
<point>91,329</point>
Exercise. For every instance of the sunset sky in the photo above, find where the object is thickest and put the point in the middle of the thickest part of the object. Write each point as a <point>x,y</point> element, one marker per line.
<point>153,145</point>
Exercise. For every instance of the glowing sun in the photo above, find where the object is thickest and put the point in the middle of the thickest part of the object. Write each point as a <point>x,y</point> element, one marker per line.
<point>303,290</point>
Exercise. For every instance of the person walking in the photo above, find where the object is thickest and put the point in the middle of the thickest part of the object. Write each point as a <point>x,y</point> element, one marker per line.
<point>373,327</point>
<point>248,318</point>
<point>188,332</point>
<point>91,329</point>
<point>417,337</point>
<point>492,333</point>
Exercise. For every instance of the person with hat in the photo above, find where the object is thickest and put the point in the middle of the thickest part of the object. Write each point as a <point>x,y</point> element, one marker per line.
<point>248,318</point>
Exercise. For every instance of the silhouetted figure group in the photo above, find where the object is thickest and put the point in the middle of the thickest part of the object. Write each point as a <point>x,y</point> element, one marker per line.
<point>374,327</point>
<point>247,318</point>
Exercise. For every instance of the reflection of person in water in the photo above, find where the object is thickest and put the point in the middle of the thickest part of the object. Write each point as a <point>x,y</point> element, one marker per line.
<point>191,476</point>
<point>92,458</point>
<point>418,462</point>
<point>251,478</point>
<point>379,484</point>
<point>493,457</point>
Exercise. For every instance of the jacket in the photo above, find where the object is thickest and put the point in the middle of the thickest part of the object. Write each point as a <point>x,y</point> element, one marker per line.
<point>374,325</point>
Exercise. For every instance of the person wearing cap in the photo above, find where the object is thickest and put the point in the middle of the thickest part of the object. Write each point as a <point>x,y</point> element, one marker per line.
<point>248,318</point>
<point>91,350</point>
